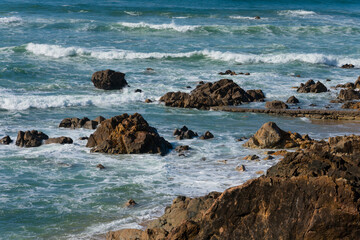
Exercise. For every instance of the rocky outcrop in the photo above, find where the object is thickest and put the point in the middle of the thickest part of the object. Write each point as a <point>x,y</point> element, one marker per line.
<point>184,133</point>
<point>59,140</point>
<point>31,138</point>
<point>206,135</point>
<point>312,87</point>
<point>256,95</point>
<point>292,100</point>
<point>276,105</point>
<point>221,93</point>
<point>109,80</point>
<point>81,123</point>
<point>127,134</point>
<point>5,140</point>
<point>351,105</point>
<point>349,94</point>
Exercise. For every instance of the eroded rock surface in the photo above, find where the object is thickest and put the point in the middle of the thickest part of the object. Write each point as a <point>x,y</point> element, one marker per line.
<point>312,87</point>
<point>31,138</point>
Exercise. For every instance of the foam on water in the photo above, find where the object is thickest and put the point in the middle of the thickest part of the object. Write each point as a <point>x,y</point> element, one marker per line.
<point>296,13</point>
<point>132,13</point>
<point>165,26</point>
<point>8,20</point>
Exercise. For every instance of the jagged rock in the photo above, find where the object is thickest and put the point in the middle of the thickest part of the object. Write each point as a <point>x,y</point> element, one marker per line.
<point>251,157</point>
<point>127,234</point>
<point>221,93</point>
<point>207,135</point>
<point>59,140</point>
<point>256,95</point>
<point>184,133</point>
<point>109,80</point>
<point>127,134</point>
<point>292,100</point>
<point>276,105</point>
<point>346,85</point>
<point>100,166</point>
<point>81,123</point>
<point>31,138</point>
<point>351,105</point>
<point>99,119</point>
<point>182,148</point>
<point>90,124</point>
<point>312,87</point>
<point>5,140</point>
<point>347,66</point>
<point>349,94</point>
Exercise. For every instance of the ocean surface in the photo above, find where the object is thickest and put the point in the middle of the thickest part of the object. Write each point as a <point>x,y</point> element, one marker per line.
<point>49,50</point>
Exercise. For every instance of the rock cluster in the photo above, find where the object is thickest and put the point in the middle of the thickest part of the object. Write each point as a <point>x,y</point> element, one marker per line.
<point>292,100</point>
<point>221,93</point>
<point>184,133</point>
<point>127,134</point>
<point>229,72</point>
<point>206,135</point>
<point>81,123</point>
<point>31,138</point>
<point>109,80</point>
<point>349,94</point>
<point>348,65</point>
<point>312,87</point>
<point>351,105</point>
<point>276,105</point>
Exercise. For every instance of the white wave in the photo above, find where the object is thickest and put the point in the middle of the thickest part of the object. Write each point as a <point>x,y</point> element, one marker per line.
<point>242,17</point>
<point>165,26</point>
<point>54,51</point>
<point>180,17</point>
<point>7,20</point>
<point>296,13</point>
<point>131,13</point>
<point>10,101</point>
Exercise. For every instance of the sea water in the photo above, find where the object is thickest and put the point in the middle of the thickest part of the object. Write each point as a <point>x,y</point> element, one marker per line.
<point>49,50</point>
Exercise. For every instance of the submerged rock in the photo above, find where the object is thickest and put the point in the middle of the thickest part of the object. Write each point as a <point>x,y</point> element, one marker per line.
<point>221,93</point>
<point>127,134</point>
<point>59,140</point>
<point>31,138</point>
<point>109,80</point>
<point>276,105</point>
<point>292,100</point>
<point>348,65</point>
<point>184,133</point>
<point>207,135</point>
<point>5,140</point>
<point>312,87</point>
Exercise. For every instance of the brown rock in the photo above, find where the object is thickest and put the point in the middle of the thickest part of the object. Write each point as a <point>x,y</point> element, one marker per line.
<point>276,105</point>
<point>207,135</point>
<point>240,168</point>
<point>59,140</point>
<point>99,119</point>
<point>90,124</point>
<point>349,94</point>
<point>127,234</point>
<point>5,140</point>
<point>73,122</point>
<point>100,166</point>
<point>127,134</point>
<point>148,100</point>
<point>83,138</point>
<point>256,95</point>
<point>312,87</point>
<point>182,148</point>
<point>109,80</point>
<point>227,72</point>
<point>130,203</point>
<point>251,157</point>
<point>31,138</point>
<point>268,157</point>
<point>257,17</point>
<point>351,105</point>
<point>292,100</point>
<point>347,66</point>
<point>184,133</point>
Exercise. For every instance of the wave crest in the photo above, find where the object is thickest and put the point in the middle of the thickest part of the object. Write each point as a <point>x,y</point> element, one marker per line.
<point>165,26</point>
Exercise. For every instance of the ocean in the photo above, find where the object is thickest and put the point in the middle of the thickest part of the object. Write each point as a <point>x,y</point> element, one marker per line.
<point>49,50</point>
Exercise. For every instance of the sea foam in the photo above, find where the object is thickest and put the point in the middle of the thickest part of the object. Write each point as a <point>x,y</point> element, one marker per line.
<point>7,20</point>
<point>296,13</point>
<point>165,26</point>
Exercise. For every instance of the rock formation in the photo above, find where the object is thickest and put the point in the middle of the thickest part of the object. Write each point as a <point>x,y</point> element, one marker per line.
<point>292,100</point>
<point>127,134</point>
<point>109,80</point>
<point>59,140</point>
<point>5,140</point>
<point>276,105</point>
<point>312,87</point>
<point>31,138</point>
<point>184,133</point>
<point>81,123</point>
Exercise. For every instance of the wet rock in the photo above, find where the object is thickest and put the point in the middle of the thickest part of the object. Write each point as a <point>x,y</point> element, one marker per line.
<point>148,100</point>
<point>247,74</point>
<point>346,85</point>
<point>109,80</point>
<point>349,94</point>
<point>90,124</point>
<point>100,166</point>
<point>268,157</point>
<point>184,133</point>
<point>127,134</point>
<point>130,203</point>
<point>240,168</point>
<point>276,105</point>
<point>73,122</point>
<point>257,17</point>
<point>292,100</point>
<point>182,148</point>
<point>59,140</point>
<point>5,140</point>
<point>241,139</point>
<point>149,69</point>
<point>31,138</point>
<point>221,93</point>
<point>312,87</point>
<point>251,157</point>
<point>83,138</point>
<point>351,105</point>
<point>227,72</point>
<point>256,95</point>
<point>127,234</point>
<point>347,66</point>
<point>188,86</point>
<point>207,135</point>
<point>138,91</point>
<point>99,119</point>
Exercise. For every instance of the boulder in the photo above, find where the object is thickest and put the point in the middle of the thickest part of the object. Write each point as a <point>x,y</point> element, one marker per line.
<point>5,140</point>
<point>182,148</point>
<point>276,105</point>
<point>130,203</point>
<point>227,72</point>
<point>221,93</point>
<point>351,105</point>
<point>349,94</point>
<point>109,80</point>
<point>90,124</point>
<point>31,138</point>
<point>348,65</point>
<point>184,133</point>
<point>127,134</point>
<point>312,87</point>
<point>100,166</point>
<point>256,95</point>
<point>59,140</point>
<point>292,100</point>
<point>207,135</point>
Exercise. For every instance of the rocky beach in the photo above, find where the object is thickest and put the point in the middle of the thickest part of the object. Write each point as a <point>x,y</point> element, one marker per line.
<point>179,120</point>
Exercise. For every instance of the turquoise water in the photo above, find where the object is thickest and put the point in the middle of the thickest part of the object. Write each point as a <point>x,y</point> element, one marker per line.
<point>49,49</point>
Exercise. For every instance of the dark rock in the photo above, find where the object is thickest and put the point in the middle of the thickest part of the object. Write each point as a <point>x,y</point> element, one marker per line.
<point>201,82</point>
<point>240,168</point>
<point>221,93</point>
<point>357,83</point>
<point>207,135</point>
<point>100,166</point>
<point>347,66</point>
<point>31,138</point>
<point>351,105</point>
<point>149,69</point>
<point>349,94</point>
<point>148,100</point>
<point>99,119</point>
<point>257,17</point>
<point>182,148</point>
<point>90,124</point>
<point>130,203</point>
<point>247,74</point>
<point>127,134</point>
<point>184,133</point>
<point>83,138</point>
<point>292,100</point>
<point>59,140</point>
<point>312,87</point>
<point>256,95</point>
<point>276,105</point>
<point>109,80</point>
<point>138,90</point>
<point>5,140</point>
<point>346,85</point>
<point>251,157</point>
<point>227,72</point>
<point>328,80</point>
<point>188,86</point>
